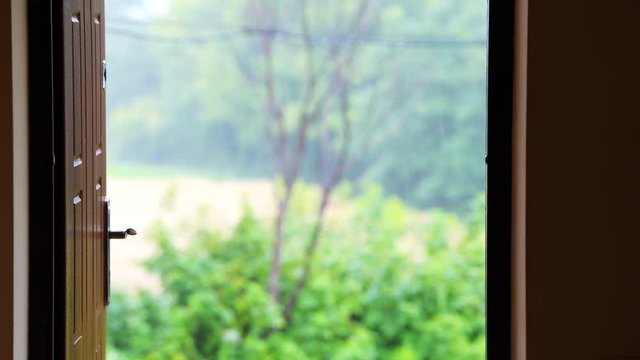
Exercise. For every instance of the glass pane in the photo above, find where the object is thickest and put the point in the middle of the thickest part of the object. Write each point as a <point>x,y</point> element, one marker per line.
<point>307,178</point>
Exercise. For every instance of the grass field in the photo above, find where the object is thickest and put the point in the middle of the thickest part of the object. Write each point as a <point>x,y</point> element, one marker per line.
<point>146,171</point>
<point>145,194</point>
<point>138,198</point>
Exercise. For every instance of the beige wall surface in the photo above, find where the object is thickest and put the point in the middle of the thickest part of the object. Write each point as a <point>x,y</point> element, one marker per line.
<point>583,180</point>
<point>519,249</point>
<point>6,185</point>
<point>20,178</point>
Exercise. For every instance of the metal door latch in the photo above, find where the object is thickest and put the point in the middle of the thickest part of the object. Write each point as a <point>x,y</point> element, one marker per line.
<point>108,235</point>
<point>122,234</point>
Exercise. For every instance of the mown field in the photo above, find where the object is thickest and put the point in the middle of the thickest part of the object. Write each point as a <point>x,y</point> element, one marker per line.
<point>139,196</point>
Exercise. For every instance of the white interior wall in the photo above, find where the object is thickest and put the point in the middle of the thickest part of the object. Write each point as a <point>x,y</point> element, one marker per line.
<point>20,178</point>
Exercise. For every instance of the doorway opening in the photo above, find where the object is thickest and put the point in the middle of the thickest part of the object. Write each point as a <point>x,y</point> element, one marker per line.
<point>307,179</point>
<point>47,138</point>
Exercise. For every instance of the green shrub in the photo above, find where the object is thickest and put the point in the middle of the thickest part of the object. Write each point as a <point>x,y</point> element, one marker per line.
<point>388,282</point>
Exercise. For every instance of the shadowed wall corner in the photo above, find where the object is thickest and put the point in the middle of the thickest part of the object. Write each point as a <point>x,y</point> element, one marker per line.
<point>582,232</point>
<point>6,184</point>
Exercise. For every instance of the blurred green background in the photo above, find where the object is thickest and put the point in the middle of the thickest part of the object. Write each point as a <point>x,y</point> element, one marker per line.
<point>398,272</point>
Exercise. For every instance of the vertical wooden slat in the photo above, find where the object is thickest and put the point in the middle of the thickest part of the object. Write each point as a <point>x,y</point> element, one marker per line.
<point>77,268</point>
<point>86,166</point>
<point>99,164</point>
<point>100,175</point>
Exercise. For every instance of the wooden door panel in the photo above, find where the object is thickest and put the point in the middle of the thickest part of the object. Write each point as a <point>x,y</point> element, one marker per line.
<point>85,178</point>
<point>77,89</point>
<point>77,272</point>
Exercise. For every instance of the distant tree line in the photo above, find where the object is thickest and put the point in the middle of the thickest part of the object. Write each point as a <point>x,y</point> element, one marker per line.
<point>391,92</point>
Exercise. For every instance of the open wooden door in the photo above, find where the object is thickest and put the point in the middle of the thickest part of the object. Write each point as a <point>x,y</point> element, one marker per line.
<point>85,179</point>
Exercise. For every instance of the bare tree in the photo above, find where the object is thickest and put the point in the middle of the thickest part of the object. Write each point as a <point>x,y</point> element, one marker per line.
<point>327,86</point>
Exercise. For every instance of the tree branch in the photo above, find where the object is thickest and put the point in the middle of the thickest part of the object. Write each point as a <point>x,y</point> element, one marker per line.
<point>279,136</point>
<point>327,190</point>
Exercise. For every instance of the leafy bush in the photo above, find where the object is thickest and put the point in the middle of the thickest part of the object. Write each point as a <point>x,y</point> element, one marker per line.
<point>388,282</point>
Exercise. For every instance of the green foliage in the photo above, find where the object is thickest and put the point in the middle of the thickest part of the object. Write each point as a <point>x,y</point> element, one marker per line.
<point>388,282</point>
<point>418,109</point>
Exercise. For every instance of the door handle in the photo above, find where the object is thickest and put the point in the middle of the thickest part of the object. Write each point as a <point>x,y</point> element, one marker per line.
<point>108,235</point>
<point>122,234</point>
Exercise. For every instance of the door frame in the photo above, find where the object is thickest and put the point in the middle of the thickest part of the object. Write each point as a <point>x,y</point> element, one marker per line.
<point>46,179</point>
<point>47,228</point>
<point>500,205</point>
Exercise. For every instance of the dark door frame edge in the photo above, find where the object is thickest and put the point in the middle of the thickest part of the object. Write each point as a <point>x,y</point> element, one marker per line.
<point>499,177</point>
<point>46,235</point>
<point>46,223</point>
